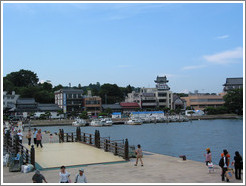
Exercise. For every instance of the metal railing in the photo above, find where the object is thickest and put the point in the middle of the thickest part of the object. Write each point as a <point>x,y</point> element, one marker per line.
<point>117,147</point>
<point>13,146</point>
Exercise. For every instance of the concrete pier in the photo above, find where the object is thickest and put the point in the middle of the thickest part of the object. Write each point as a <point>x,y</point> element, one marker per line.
<point>157,169</point>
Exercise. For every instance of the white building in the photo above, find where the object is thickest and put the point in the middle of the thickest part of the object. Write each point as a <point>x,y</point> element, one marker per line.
<point>161,96</point>
<point>9,100</point>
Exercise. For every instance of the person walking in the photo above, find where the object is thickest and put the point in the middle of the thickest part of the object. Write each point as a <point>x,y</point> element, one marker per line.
<point>29,137</point>
<point>38,177</point>
<point>39,138</point>
<point>80,177</point>
<point>64,175</point>
<point>208,156</point>
<point>139,154</point>
<point>224,164</point>
<point>20,135</point>
<point>35,136</point>
<point>238,163</point>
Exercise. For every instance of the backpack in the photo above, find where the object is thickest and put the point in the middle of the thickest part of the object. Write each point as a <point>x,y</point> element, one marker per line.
<point>221,163</point>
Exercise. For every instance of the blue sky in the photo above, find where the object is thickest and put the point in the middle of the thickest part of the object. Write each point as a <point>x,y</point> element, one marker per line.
<point>197,46</point>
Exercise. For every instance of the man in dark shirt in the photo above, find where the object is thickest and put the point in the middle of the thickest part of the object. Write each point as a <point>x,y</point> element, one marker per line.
<point>38,178</point>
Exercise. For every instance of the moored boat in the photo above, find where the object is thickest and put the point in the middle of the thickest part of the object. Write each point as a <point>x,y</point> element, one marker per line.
<point>79,122</point>
<point>107,122</point>
<point>96,123</point>
<point>134,122</point>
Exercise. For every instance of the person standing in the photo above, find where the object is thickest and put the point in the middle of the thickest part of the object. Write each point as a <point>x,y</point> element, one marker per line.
<point>35,136</point>
<point>64,175</point>
<point>29,137</point>
<point>224,163</point>
<point>38,177</point>
<point>20,135</point>
<point>139,154</point>
<point>208,156</point>
<point>80,177</point>
<point>39,138</point>
<point>238,161</point>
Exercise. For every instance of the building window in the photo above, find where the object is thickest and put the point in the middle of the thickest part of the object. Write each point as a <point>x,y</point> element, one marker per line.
<point>162,100</point>
<point>162,94</point>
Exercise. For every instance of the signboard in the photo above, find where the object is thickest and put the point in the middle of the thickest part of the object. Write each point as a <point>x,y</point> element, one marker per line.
<point>64,103</point>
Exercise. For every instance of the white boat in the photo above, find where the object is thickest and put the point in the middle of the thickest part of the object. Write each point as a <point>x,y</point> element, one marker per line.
<point>134,122</point>
<point>79,122</point>
<point>107,122</point>
<point>96,123</point>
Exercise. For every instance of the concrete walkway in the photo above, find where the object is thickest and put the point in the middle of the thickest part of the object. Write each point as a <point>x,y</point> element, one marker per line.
<point>157,169</point>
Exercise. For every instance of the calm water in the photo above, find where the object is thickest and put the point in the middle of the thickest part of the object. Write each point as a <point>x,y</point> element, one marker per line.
<point>174,139</point>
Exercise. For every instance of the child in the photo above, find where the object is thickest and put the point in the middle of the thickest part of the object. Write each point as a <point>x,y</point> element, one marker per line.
<point>51,138</point>
<point>139,154</point>
<point>210,166</point>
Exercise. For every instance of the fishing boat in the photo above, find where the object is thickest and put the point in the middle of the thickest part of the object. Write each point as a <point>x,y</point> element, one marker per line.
<point>96,123</point>
<point>79,122</point>
<point>107,122</point>
<point>134,122</point>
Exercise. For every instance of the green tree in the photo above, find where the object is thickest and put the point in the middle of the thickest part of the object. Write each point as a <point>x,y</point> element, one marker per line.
<point>23,78</point>
<point>234,101</point>
<point>110,93</point>
<point>46,86</point>
<point>84,115</point>
<point>8,85</point>
<point>58,87</point>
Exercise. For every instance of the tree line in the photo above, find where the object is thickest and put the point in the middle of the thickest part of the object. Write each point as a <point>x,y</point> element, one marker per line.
<point>26,84</point>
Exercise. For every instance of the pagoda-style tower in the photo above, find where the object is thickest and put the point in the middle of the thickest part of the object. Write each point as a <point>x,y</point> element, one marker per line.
<point>161,83</point>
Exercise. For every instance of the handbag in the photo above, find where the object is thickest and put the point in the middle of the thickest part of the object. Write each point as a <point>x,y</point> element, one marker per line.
<point>229,174</point>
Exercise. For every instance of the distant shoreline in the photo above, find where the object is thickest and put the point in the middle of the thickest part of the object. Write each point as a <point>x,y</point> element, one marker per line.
<point>219,116</point>
<point>66,122</point>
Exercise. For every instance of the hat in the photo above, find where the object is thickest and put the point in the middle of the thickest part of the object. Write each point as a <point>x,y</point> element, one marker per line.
<point>81,169</point>
<point>207,149</point>
<point>37,172</point>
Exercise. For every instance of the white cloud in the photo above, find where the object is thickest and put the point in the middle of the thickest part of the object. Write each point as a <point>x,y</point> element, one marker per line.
<point>222,37</point>
<point>193,67</point>
<point>229,56</point>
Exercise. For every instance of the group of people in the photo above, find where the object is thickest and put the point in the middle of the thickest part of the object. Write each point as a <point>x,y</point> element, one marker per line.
<point>37,137</point>
<point>224,163</point>
<point>64,176</point>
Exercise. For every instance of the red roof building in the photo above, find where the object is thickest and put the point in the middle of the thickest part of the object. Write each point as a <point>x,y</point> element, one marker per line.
<point>129,106</point>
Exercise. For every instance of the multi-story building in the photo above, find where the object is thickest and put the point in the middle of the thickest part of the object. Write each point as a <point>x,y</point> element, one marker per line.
<point>69,99</point>
<point>9,100</point>
<point>201,101</point>
<point>92,104</point>
<point>161,96</point>
<point>233,83</point>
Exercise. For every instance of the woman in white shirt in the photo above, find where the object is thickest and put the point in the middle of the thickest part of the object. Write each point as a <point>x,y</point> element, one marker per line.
<point>64,175</point>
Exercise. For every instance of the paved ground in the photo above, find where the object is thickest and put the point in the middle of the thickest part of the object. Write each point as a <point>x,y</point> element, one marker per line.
<point>72,153</point>
<point>157,169</point>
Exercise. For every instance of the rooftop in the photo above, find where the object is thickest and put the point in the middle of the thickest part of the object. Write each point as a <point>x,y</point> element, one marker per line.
<point>112,106</point>
<point>131,104</point>
<point>233,81</point>
<point>25,101</point>
<point>48,107</point>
